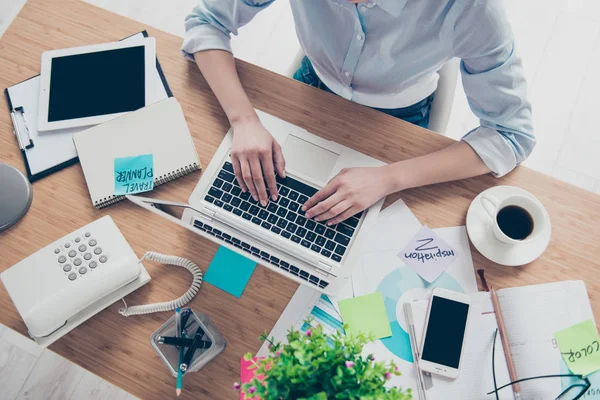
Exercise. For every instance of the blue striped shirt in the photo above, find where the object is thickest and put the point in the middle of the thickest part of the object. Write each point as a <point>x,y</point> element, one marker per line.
<point>386,54</point>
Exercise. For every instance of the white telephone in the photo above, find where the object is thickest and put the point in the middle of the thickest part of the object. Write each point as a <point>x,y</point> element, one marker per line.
<point>70,280</point>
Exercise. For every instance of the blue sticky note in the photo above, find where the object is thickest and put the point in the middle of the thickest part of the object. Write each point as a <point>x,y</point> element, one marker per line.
<point>134,174</point>
<point>229,271</point>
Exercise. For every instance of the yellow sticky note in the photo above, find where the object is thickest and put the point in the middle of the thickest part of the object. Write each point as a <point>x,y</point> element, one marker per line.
<point>366,315</point>
<point>580,347</point>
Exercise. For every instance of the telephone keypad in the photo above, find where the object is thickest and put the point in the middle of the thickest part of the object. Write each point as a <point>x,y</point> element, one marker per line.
<point>86,261</point>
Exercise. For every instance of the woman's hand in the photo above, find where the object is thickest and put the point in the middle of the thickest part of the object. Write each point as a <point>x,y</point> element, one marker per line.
<point>348,193</point>
<point>256,156</point>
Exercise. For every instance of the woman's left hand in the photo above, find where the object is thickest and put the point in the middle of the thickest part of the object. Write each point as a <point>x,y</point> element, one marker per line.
<point>348,193</point>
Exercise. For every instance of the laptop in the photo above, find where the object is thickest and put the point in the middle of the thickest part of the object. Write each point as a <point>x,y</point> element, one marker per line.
<point>279,236</point>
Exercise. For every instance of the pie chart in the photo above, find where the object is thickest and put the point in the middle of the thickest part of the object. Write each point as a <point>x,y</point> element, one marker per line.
<point>392,287</point>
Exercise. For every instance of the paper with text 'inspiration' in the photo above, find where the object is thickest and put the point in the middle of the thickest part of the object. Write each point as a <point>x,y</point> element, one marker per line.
<point>580,347</point>
<point>427,254</point>
<point>134,174</point>
<point>229,271</point>
<point>366,315</point>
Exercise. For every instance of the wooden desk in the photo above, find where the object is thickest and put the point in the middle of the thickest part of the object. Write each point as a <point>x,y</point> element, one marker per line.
<point>117,348</point>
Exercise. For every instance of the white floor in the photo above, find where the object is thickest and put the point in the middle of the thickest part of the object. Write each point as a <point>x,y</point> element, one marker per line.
<point>29,372</point>
<point>559,41</point>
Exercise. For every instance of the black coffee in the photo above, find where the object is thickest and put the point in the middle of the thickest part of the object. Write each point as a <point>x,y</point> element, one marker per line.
<point>515,222</point>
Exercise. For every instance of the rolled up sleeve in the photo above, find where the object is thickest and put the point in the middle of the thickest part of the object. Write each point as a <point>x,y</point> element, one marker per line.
<point>494,82</point>
<point>211,23</point>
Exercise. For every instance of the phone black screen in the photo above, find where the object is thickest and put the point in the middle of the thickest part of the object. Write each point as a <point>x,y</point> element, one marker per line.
<point>100,83</point>
<point>445,332</point>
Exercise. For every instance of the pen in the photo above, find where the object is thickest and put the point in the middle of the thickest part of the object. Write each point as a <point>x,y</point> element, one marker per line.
<point>198,343</point>
<point>185,342</point>
<point>179,334</point>
<point>178,322</point>
<point>505,345</point>
<point>415,351</point>
<point>185,315</point>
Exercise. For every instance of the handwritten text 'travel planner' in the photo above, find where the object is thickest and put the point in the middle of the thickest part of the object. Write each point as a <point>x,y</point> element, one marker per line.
<point>134,174</point>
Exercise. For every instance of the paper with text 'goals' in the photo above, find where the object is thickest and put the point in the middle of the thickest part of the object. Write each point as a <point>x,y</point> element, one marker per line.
<point>366,315</point>
<point>580,347</point>
<point>134,174</point>
<point>427,254</point>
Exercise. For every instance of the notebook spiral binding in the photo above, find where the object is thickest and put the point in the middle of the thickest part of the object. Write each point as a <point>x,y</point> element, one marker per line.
<point>159,180</point>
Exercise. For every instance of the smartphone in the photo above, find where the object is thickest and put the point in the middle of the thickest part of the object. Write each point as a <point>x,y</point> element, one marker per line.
<point>445,329</point>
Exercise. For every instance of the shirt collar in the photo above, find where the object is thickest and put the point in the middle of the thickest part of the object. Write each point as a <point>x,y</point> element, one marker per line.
<point>393,7</point>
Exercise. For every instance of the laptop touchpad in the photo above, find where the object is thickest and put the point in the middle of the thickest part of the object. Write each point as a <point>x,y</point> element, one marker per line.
<point>308,160</point>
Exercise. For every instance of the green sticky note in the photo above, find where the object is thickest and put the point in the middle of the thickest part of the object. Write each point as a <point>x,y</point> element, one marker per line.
<point>580,347</point>
<point>366,315</point>
<point>134,174</point>
<point>229,271</point>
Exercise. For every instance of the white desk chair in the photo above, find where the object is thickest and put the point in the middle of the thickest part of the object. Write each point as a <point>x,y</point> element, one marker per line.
<point>444,95</point>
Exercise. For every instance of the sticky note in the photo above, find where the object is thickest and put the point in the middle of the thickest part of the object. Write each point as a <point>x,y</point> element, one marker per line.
<point>247,374</point>
<point>427,254</point>
<point>134,174</point>
<point>580,347</point>
<point>366,315</point>
<point>229,271</point>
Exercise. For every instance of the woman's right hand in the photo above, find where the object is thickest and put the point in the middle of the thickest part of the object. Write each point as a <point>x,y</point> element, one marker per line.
<point>256,157</point>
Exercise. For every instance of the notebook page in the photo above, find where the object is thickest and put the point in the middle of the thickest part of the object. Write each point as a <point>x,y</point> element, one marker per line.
<point>531,315</point>
<point>475,377</point>
<point>159,129</point>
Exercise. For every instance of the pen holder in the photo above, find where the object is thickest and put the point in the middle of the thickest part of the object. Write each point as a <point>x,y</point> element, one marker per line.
<point>170,354</point>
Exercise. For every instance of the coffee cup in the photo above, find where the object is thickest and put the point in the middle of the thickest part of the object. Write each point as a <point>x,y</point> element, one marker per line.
<point>515,219</point>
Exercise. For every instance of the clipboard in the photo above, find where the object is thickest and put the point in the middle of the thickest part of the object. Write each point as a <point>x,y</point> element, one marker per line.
<point>47,152</point>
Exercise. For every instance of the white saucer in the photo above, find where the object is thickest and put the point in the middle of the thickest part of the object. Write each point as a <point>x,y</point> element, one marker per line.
<point>480,232</point>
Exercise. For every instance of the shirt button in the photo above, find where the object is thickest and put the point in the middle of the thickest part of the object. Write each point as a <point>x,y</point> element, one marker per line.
<point>359,37</point>
<point>347,74</point>
<point>363,8</point>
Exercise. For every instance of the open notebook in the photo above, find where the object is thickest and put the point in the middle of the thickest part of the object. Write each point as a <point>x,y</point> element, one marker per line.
<point>159,129</point>
<point>532,314</point>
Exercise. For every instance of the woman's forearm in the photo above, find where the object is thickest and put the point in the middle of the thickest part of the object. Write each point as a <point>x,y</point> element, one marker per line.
<point>218,68</point>
<point>457,161</point>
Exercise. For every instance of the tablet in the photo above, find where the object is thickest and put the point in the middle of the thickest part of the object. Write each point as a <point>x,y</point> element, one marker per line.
<point>93,84</point>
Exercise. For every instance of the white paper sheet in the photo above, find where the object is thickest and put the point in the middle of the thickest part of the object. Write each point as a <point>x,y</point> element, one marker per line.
<point>475,378</point>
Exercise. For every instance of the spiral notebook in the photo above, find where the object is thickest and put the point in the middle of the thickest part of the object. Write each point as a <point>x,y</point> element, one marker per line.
<point>159,129</point>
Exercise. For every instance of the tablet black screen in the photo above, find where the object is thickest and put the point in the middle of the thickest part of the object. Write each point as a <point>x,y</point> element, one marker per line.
<point>105,82</point>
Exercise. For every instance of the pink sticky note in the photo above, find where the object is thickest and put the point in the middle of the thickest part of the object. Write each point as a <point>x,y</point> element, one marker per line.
<point>247,374</point>
<point>427,254</point>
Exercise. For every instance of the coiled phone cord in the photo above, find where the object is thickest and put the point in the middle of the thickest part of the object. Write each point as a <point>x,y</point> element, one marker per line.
<point>173,304</point>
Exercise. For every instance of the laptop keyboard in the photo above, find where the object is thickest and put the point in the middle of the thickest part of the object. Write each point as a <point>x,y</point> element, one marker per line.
<point>255,251</point>
<point>284,216</point>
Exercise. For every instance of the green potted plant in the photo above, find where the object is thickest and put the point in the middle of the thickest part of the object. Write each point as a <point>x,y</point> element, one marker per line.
<point>316,366</point>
